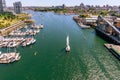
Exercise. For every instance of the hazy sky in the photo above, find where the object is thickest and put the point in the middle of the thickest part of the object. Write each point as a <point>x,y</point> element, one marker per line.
<point>60,2</point>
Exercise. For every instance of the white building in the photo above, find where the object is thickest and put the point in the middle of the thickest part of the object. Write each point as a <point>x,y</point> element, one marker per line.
<point>2,5</point>
<point>17,7</point>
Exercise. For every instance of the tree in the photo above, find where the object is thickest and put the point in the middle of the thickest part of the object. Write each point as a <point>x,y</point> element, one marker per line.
<point>104,13</point>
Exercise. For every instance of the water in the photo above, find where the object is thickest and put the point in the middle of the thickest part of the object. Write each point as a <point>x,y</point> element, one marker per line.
<point>47,59</point>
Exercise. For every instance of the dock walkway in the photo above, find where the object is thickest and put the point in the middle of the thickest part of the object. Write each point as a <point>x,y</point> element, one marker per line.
<point>115,49</point>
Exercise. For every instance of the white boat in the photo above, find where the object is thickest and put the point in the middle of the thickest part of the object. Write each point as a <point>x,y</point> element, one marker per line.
<point>9,57</point>
<point>13,44</point>
<point>33,41</point>
<point>37,31</point>
<point>29,41</point>
<point>41,26</point>
<point>24,44</point>
<point>67,44</point>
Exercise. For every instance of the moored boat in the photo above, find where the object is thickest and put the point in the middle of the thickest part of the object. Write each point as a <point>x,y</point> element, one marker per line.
<point>28,41</point>
<point>9,57</point>
<point>41,26</point>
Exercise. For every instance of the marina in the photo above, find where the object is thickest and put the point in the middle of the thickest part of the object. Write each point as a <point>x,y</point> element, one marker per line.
<point>11,42</point>
<point>22,36</point>
<point>27,31</point>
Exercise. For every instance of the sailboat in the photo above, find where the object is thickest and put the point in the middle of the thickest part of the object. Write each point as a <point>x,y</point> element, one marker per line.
<point>9,57</point>
<point>67,44</point>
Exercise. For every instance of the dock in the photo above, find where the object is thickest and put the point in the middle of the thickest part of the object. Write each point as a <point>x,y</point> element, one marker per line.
<point>88,21</point>
<point>83,26</point>
<point>114,49</point>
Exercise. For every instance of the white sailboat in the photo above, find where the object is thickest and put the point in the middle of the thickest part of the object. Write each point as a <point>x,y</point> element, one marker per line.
<point>67,44</point>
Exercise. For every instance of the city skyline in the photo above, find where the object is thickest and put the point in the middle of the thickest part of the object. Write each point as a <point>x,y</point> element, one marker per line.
<point>66,2</point>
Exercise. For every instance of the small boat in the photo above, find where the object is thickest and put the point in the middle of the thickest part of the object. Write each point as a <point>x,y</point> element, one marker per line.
<point>29,41</point>
<point>13,44</point>
<point>33,41</point>
<point>9,57</point>
<point>41,26</point>
<point>67,44</point>
<point>37,31</point>
<point>35,53</point>
<point>24,44</point>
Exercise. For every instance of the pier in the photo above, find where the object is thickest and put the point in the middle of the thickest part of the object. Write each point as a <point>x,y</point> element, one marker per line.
<point>114,49</point>
<point>87,22</point>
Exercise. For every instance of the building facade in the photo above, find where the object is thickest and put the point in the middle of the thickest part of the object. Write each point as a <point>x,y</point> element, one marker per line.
<point>2,5</point>
<point>17,7</point>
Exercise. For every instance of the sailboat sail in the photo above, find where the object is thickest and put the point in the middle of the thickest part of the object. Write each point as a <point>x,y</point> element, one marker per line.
<point>67,44</point>
<point>67,40</point>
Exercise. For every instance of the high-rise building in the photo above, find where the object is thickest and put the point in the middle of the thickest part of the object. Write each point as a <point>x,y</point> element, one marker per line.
<point>82,6</point>
<point>17,7</point>
<point>2,5</point>
<point>64,6</point>
<point>119,9</point>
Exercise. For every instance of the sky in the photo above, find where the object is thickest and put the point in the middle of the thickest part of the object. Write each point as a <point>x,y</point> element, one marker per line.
<point>66,2</point>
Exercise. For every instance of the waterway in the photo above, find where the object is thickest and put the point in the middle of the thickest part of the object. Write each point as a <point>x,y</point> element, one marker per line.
<point>47,59</point>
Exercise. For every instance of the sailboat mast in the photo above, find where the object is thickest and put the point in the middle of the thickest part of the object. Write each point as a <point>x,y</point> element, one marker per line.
<point>67,44</point>
<point>67,40</point>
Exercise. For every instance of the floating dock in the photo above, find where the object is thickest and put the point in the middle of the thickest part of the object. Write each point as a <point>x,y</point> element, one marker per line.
<point>83,26</point>
<point>114,49</point>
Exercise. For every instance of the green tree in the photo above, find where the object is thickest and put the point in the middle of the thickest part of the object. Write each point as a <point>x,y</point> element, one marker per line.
<point>104,13</point>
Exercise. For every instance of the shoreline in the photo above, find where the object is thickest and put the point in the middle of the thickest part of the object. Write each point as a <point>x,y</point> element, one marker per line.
<point>5,31</point>
<point>114,49</point>
<point>19,24</point>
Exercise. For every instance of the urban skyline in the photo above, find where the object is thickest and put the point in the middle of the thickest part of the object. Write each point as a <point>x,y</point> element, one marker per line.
<point>66,2</point>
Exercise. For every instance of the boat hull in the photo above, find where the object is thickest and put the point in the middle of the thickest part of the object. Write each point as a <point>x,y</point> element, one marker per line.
<point>68,49</point>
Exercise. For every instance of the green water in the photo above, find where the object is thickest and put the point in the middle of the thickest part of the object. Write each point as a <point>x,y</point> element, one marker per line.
<point>87,60</point>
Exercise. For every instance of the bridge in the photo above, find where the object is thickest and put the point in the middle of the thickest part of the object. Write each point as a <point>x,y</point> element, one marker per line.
<point>107,30</point>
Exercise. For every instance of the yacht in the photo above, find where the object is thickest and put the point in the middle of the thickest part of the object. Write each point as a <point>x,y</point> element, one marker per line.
<point>29,41</point>
<point>67,44</point>
<point>33,40</point>
<point>24,44</point>
<point>13,44</point>
<point>9,57</point>
<point>41,26</point>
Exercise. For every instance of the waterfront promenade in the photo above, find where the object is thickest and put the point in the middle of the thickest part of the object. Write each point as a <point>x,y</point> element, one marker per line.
<point>5,31</point>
